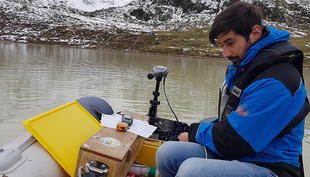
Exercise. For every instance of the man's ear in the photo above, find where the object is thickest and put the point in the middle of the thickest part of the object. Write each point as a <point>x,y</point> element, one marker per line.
<point>256,33</point>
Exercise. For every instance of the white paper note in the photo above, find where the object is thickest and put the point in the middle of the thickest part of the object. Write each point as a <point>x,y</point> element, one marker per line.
<point>138,127</point>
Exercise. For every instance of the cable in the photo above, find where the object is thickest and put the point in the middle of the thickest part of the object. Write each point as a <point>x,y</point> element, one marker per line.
<point>169,103</point>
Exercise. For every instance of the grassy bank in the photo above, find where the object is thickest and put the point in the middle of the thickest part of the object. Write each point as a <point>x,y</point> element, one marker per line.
<point>194,43</point>
<point>191,44</point>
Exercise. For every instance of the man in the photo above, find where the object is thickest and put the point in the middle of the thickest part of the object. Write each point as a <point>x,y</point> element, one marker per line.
<point>261,125</point>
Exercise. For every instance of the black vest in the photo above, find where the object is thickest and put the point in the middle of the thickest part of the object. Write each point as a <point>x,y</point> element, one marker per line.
<point>280,52</point>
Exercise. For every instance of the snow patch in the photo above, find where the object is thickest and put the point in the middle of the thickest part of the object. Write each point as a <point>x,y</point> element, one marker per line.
<point>93,5</point>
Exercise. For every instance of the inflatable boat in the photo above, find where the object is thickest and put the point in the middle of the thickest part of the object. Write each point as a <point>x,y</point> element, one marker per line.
<point>50,146</point>
<point>51,149</point>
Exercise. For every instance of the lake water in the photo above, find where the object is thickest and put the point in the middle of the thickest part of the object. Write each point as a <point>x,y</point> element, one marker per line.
<point>37,78</point>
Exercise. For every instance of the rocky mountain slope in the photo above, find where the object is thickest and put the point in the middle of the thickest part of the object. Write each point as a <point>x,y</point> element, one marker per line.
<point>59,22</point>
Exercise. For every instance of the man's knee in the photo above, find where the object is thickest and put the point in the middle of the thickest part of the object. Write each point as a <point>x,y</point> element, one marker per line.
<point>189,168</point>
<point>165,150</point>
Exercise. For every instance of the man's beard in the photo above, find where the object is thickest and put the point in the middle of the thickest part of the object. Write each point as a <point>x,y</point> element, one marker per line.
<point>240,58</point>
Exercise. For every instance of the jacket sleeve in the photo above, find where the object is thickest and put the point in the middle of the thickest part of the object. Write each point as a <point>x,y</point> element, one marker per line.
<point>192,131</point>
<point>257,121</point>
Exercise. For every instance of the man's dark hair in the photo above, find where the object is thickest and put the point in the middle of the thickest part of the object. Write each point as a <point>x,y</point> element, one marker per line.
<point>239,17</point>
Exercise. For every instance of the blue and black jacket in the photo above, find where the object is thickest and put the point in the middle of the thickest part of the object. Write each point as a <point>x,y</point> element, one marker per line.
<point>266,95</point>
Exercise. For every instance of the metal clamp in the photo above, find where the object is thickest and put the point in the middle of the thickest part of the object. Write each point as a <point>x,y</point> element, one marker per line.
<point>97,167</point>
<point>129,152</point>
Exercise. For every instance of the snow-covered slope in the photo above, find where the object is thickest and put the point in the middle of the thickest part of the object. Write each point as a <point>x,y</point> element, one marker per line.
<point>93,5</point>
<point>39,20</point>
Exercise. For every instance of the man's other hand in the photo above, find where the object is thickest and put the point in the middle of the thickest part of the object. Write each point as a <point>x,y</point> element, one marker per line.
<point>183,136</point>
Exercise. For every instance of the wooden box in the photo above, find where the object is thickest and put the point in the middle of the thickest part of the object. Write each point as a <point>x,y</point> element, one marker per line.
<point>112,148</point>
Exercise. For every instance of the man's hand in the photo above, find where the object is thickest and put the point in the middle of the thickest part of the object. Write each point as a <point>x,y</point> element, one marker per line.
<point>183,136</point>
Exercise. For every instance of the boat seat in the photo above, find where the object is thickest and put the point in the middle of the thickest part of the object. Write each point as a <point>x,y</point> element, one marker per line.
<point>208,120</point>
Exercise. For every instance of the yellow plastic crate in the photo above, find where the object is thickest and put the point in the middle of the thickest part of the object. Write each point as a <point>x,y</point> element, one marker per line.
<point>61,131</point>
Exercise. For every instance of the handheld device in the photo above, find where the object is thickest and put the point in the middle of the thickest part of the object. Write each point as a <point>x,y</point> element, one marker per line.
<point>127,118</point>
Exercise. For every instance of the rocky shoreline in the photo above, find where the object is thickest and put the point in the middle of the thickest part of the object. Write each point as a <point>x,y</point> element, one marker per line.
<point>143,43</point>
<point>190,44</point>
